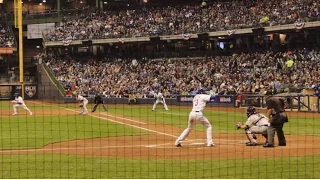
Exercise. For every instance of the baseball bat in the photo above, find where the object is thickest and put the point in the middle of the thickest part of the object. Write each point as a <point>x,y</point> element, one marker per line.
<point>199,79</point>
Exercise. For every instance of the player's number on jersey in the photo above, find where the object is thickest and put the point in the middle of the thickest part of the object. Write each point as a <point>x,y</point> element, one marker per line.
<point>196,102</point>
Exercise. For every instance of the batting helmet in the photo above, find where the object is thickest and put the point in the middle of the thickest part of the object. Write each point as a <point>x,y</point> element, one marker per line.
<point>200,91</point>
<point>251,110</point>
<point>16,94</point>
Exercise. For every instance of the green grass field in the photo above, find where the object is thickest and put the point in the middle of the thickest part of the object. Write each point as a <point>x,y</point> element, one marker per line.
<point>27,132</point>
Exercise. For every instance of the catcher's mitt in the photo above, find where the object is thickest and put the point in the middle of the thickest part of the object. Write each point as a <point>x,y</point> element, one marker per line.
<point>238,125</point>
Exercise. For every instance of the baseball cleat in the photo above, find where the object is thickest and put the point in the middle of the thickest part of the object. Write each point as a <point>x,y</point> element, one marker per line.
<point>267,145</point>
<point>282,144</point>
<point>14,114</point>
<point>211,145</point>
<point>30,114</point>
<point>251,144</point>
<point>178,145</point>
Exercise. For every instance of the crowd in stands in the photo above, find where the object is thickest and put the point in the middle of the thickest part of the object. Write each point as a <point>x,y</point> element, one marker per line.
<point>6,36</point>
<point>245,72</point>
<point>29,14</point>
<point>219,16</point>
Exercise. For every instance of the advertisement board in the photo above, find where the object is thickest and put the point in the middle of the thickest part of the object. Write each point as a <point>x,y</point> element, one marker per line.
<point>6,50</point>
<point>7,91</point>
<point>223,99</point>
<point>35,31</point>
<point>30,92</point>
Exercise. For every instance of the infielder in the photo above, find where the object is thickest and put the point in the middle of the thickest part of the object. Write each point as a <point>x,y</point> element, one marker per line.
<point>19,103</point>
<point>196,115</point>
<point>256,124</point>
<point>98,100</point>
<point>159,99</point>
<point>83,104</point>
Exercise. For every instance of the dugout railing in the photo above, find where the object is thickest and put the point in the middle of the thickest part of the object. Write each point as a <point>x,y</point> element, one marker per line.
<point>296,102</point>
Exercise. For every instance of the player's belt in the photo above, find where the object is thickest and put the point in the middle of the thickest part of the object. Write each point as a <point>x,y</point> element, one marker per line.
<point>197,111</point>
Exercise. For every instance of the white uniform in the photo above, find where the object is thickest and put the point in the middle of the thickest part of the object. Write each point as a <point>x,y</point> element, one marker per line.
<point>159,99</point>
<point>196,115</point>
<point>20,103</point>
<point>258,124</point>
<point>84,103</point>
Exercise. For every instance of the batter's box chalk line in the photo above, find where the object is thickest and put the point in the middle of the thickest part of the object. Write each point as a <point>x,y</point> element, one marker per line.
<point>197,143</point>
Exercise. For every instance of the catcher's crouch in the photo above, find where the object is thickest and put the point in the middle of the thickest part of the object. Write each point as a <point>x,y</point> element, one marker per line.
<point>256,124</point>
<point>98,100</point>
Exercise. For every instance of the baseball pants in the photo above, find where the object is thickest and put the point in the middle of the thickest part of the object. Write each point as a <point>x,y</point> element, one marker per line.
<point>277,126</point>
<point>83,109</point>
<point>256,130</point>
<point>96,105</point>
<point>20,105</point>
<point>194,117</point>
<point>157,102</point>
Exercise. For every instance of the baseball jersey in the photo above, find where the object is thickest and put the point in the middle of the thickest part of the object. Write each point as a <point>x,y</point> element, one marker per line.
<point>159,96</point>
<point>81,98</point>
<point>19,100</point>
<point>200,101</point>
<point>98,99</point>
<point>257,120</point>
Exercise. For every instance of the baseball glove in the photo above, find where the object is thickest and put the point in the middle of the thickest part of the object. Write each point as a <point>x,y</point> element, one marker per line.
<point>80,105</point>
<point>238,125</point>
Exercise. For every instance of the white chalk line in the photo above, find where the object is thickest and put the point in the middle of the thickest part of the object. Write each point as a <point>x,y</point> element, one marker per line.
<point>70,148</point>
<point>166,145</point>
<point>99,117</point>
<point>126,119</point>
<point>174,114</point>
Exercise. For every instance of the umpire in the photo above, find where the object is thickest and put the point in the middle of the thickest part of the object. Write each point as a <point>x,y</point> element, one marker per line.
<point>277,116</point>
<point>98,100</point>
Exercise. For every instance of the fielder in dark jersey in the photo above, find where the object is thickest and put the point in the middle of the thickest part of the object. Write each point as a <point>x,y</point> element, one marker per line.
<point>98,100</point>
<point>278,117</point>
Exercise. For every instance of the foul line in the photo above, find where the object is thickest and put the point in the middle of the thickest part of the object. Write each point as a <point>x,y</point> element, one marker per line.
<point>138,127</point>
<point>174,114</point>
<point>127,119</point>
<point>70,148</point>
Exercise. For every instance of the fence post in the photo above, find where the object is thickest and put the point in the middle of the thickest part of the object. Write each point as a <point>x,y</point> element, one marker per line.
<point>299,101</point>
<point>318,103</point>
<point>309,109</point>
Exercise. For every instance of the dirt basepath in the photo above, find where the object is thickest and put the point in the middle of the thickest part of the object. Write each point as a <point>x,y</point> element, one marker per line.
<point>159,144</point>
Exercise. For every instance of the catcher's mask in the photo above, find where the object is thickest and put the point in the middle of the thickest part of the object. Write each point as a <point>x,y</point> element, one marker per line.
<point>251,110</point>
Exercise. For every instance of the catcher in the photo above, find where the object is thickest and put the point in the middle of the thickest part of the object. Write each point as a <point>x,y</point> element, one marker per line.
<point>256,124</point>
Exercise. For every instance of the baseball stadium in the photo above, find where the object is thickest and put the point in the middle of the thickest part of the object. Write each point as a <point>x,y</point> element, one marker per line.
<point>148,89</point>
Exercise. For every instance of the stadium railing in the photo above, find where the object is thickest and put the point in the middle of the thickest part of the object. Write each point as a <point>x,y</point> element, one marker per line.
<point>54,79</point>
<point>175,37</point>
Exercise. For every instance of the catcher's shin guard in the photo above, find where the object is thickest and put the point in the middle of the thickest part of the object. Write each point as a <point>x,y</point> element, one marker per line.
<point>251,136</point>
<point>94,108</point>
